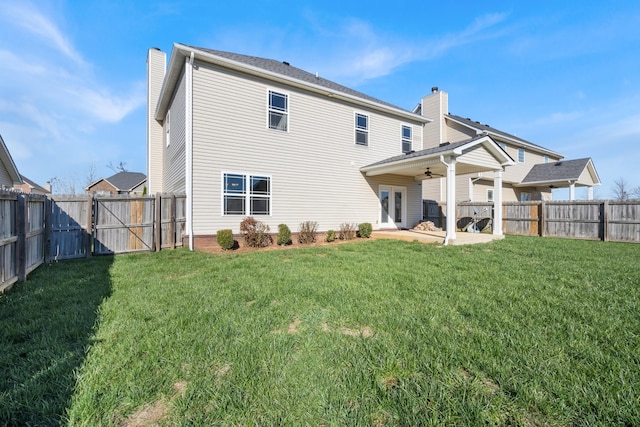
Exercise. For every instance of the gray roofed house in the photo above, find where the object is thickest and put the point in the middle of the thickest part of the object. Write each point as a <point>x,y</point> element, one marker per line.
<point>9,175</point>
<point>31,187</point>
<point>242,136</point>
<point>120,183</point>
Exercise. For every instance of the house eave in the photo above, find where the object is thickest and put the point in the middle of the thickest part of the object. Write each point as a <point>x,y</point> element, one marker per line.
<point>180,52</point>
<point>515,141</point>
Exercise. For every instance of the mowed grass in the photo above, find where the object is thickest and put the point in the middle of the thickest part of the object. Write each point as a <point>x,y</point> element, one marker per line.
<point>524,331</point>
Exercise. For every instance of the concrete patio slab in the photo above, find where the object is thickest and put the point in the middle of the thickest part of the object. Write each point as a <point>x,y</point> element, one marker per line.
<point>462,238</point>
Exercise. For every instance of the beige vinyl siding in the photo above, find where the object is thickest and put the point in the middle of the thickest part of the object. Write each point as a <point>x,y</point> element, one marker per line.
<point>456,132</point>
<point>5,178</point>
<point>517,172</point>
<point>174,154</point>
<point>155,134</point>
<point>432,108</point>
<point>314,167</point>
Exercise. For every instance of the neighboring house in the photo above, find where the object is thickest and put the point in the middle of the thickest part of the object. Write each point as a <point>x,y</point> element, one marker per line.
<point>120,183</point>
<point>9,175</point>
<point>31,187</point>
<point>247,136</point>
<point>518,182</point>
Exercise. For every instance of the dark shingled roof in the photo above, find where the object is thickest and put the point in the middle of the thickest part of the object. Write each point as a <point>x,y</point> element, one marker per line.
<point>556,171</point>
<point>487,128</point>
<point>126,181</point>
<point>287,70</point>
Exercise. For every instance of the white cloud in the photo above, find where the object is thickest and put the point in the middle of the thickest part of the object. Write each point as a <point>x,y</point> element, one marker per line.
<point>28,17</point>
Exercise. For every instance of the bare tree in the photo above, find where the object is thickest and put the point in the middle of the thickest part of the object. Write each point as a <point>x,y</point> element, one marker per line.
<point>636,192</point>
<point>620,189</point>
<point>63,185</point>
<point>90,175</point>
<point>120,167</point>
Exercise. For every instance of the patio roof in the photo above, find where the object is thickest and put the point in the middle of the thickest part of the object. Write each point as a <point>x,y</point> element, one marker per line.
<point>478,154</point>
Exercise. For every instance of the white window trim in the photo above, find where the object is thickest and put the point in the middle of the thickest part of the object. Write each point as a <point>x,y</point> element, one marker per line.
<point>247,195</point>
<point>521,150</point>
<point>356,128</point>
<point>403,139</point>
<point>287,112</point>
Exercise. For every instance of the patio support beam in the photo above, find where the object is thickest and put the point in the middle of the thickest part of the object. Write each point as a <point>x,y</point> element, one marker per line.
<point>572,190</point>
<point>451,199</point>
<point>590,193</point>
<point>497,203</point>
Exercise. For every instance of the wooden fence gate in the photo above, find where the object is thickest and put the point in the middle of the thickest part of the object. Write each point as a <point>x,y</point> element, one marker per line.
<point>35,229</point>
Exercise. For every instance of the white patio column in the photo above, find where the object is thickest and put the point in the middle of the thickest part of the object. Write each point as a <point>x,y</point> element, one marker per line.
<point>572,190</point>
<point>451,200</point>
<point>590,193</point>
<point>497,203</point>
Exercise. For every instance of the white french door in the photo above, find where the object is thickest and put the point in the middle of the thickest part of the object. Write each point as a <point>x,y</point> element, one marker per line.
<point>393,206</point>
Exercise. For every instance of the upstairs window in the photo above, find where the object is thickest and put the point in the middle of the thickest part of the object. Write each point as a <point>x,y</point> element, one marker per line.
<point>503,145</point>
<point>546,159</point>
<point>520,155</point>
<point>246,194</point>
<point>278,111</point>
<point>362,129</point>
<point>406,139</point>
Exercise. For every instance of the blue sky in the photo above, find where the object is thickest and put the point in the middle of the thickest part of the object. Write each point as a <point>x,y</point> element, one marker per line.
<point>567,77</point>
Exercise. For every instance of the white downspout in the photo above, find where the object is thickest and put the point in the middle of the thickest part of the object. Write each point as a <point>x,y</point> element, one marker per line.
<point>189,145</point>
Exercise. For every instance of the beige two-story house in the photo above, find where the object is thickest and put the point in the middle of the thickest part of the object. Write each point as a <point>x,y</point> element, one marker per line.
<point>248,136</point>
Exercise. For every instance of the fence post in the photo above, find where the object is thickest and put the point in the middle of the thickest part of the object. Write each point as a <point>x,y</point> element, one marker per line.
<point>158,222</point>
<point>47,228</point>
<point>21,227</point>
<point>605,220</point>
<point>172,225</point>
<point>89,227</point>
<point>541,223</point>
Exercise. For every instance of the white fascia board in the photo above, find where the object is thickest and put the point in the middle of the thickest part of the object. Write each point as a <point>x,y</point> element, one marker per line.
<point>493,147</point>
<point>184,51</point>
<point>401,164</point>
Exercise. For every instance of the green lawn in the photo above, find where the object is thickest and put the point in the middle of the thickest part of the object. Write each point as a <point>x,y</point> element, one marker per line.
<point>524,331</point>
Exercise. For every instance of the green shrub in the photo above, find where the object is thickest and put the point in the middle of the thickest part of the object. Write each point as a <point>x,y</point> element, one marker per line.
<point>225,239</point>
<point>307,232</point>
<point>331,235</point>
<point>347,231</point>
<point>284,235</point>
<point>365,229</point>
<point>256,233</point>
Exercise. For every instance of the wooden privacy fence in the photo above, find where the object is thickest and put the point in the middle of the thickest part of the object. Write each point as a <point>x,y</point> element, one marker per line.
<point>35,229</point>
<point>22,236</point>
<point>616,221</point>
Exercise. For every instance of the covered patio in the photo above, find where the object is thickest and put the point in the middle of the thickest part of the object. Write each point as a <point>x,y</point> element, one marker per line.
<point>479,154</point>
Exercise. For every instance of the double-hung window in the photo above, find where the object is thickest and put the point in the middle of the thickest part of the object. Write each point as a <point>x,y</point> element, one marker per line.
<point>246,194</point>
<point>362,129</point>
<point>406,139</point>
<point>278,111</point>
<point>520,155</point>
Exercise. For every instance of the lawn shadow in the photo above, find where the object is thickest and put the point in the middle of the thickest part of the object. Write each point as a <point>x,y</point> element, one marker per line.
<point>46,328</point>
